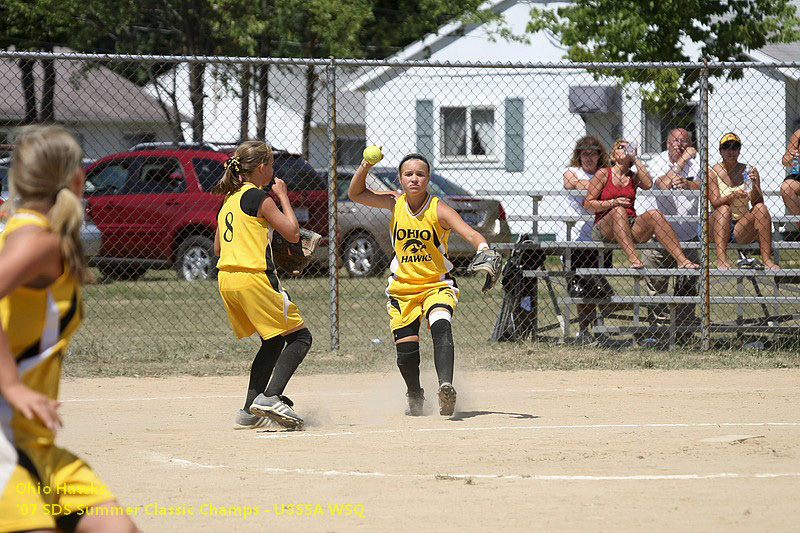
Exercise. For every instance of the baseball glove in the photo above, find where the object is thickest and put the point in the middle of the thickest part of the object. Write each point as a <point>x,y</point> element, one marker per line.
<point>292,257</point>
<point>488,261</point>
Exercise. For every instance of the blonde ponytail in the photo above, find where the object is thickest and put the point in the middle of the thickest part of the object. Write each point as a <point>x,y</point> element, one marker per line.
<point>66,219</point>
<point>44,164</point>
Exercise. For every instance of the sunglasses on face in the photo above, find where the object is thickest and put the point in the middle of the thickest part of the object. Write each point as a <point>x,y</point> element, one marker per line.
<point>731,146</point>
<point>590,152</point>
<point>620,147</point>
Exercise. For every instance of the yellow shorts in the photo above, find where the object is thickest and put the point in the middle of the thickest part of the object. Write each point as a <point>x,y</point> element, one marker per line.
<point>409,301</point>
<point>59,485</point>
<point>254,305</point>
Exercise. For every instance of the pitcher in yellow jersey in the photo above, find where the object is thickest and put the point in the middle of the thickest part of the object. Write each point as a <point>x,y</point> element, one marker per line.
<point>421,285</point>
<point>42,268</point>
<point>250,288</point>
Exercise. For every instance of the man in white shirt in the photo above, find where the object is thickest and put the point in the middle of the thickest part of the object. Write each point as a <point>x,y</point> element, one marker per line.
<point>676,168</point>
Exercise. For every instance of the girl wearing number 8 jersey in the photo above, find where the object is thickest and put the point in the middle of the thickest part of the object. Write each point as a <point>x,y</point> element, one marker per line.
<point>249,286</point>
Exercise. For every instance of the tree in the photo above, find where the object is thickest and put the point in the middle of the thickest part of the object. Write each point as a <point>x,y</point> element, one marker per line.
<point>399,22</point>
<point>249,33</point>
<point>324,28</point>
<point>205,28</point>
<point>37,26</point>
<point>656,31</point>
<point>179,27</point>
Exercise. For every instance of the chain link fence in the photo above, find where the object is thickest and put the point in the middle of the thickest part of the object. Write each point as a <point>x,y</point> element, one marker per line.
<point>514,149</point>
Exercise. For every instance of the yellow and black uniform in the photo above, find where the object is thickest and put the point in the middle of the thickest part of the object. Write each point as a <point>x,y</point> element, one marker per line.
<point>250,288</point>
<point>40,483</point>
<point>420,268</point>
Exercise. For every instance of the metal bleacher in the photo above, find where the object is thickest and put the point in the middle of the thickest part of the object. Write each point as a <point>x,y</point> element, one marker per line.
<point>781,288</point>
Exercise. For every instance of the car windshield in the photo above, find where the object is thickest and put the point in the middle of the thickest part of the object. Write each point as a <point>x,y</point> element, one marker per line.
<point>387,179</point>
<point>374,182</point>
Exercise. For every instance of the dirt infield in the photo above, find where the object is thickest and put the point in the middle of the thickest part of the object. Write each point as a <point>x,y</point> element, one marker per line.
<point>593,450</point>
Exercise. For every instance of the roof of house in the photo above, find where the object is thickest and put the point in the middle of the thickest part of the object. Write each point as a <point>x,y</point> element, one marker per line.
<point>783,51</point>
<point>84,92</point>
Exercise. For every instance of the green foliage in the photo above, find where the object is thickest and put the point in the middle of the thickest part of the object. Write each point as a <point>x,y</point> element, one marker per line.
<point>240,25</point>
<point>322,27</point>
<point>42,24</point>
<point>398,23</point>
<point>659,30</point>
<point>285,28</point>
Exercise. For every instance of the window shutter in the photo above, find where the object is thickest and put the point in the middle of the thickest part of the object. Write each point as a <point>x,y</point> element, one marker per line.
<point>515,135</point>
<point>425,128</point>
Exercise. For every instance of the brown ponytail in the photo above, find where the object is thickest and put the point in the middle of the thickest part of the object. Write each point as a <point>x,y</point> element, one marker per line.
<point>245,159</point>
<point>44,163</point>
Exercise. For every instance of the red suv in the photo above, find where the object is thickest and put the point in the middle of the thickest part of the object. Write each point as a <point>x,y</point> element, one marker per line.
<point>154,208</point>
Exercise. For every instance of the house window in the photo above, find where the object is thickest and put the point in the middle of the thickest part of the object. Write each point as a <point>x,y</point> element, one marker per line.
<point>468,132</point>
<point>657,127</point>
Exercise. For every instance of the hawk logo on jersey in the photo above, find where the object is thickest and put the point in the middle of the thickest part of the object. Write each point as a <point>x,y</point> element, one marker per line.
<point>414,246</point>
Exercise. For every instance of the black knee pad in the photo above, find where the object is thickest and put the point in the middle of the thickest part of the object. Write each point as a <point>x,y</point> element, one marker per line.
<point>302,335</point>
<point>408,330</point>
<point>442,333</point>
<point>408,354</point>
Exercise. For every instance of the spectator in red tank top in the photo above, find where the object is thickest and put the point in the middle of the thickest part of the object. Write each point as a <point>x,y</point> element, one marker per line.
<point>611,196</point>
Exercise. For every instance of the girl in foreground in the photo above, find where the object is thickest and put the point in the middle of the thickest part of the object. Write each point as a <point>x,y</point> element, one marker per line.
<point>42,268</point>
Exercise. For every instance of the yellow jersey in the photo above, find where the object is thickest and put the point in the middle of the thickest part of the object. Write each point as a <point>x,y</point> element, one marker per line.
<point>39,324</point>
<point>419,242</point>
<point>244,236</point>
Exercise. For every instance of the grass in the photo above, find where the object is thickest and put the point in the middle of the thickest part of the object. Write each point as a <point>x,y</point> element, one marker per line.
<point>160,326</point>
<point>507,357</point>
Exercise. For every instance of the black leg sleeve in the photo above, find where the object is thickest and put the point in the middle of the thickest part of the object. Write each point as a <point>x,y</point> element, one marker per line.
<point>408,363</point>
<point>261,370</point>
<point>297,346</point>
<point>443,350</point>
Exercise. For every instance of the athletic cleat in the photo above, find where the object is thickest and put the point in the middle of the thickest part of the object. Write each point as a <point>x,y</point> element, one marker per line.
<point>245,420</point>
<point>416,403</point>
<point>447,399</point>
<point>278,410</point>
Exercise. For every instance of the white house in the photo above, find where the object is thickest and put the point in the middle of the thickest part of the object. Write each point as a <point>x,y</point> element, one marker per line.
<point>503,128</point>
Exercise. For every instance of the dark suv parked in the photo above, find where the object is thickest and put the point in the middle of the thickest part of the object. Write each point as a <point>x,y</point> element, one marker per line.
<point>154,208</point>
